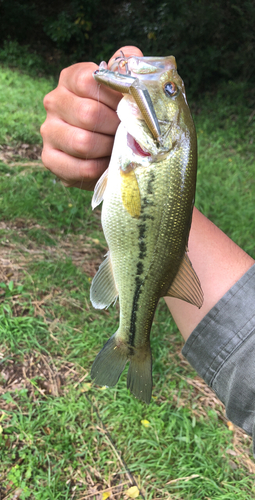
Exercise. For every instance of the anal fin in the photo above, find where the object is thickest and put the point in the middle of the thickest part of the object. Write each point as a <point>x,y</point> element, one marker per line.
<point>186,285</point>
<point>103,290</point>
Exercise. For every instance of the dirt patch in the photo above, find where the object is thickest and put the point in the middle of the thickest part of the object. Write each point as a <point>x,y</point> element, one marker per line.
<point>16,258</point>
<point>201,397</point>
<point>97,487</point>
<point>37,372</point>
<point>8,271</point>
<point>86,253</point>
<point>43,377</point>
<point>9,154</point>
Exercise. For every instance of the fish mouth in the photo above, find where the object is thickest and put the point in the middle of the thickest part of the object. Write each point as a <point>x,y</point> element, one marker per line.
<point>136,148</point>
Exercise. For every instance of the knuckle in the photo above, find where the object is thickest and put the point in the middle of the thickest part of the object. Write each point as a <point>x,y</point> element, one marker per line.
<point>88,112</point>
<point>80,142</point>
<point>63,74</point>
<point>83,76</point>
<point>45,158</point>
<point>43,130</point>
<point>48,100</point>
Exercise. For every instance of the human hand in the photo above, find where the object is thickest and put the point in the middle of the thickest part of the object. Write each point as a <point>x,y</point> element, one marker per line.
<point>80,126</point>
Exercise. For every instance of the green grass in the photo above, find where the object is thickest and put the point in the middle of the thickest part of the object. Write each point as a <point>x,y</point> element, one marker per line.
<point>37,196</point>
<point>24,58</point>
<point>22,110</point>
<point>59,434</point>
<point>226,184</point>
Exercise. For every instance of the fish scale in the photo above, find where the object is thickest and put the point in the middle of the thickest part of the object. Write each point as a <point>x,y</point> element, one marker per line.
<point>146,217</point>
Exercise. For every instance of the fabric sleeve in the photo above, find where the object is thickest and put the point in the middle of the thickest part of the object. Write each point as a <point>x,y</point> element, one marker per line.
<point>222,351</point>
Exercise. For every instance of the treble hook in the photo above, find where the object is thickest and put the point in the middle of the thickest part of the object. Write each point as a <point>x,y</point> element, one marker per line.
<point>121,62</point>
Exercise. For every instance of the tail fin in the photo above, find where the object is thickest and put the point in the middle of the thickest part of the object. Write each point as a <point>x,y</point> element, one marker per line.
<point>139,378</point>
<point>111,361</point>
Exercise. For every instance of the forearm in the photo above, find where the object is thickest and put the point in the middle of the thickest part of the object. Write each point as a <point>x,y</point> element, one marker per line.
<point>218,262</point>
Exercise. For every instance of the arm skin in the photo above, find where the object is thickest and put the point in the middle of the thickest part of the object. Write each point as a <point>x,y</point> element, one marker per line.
<point>78,136</point>
<point>218,262</point>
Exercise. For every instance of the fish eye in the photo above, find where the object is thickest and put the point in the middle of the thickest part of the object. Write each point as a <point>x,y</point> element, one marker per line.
<point>170,89</point>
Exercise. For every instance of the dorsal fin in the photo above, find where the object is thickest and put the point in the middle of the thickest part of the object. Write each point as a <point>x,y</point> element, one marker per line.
<point>99,190</point>
<point>103,290</point>
<point>186,285</point>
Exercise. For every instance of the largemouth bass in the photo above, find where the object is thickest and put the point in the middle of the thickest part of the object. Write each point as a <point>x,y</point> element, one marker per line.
<point>148,195</point>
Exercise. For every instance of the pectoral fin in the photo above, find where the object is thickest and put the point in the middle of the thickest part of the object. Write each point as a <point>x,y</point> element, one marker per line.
<point>130,192</point>
<point>99,190</point>
<point>103,289</point>
<point>186,285</point>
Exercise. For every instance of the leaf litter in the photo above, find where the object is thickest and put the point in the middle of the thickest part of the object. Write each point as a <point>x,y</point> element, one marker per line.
<point>11,155</point>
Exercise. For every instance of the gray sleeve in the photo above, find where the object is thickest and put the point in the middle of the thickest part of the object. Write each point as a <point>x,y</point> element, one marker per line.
<point>222,351</point>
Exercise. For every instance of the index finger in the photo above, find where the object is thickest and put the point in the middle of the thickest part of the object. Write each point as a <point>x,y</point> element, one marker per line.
<point>79,80</point>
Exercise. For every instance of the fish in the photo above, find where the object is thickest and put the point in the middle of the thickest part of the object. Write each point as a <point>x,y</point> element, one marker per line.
<point>148,194</point>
